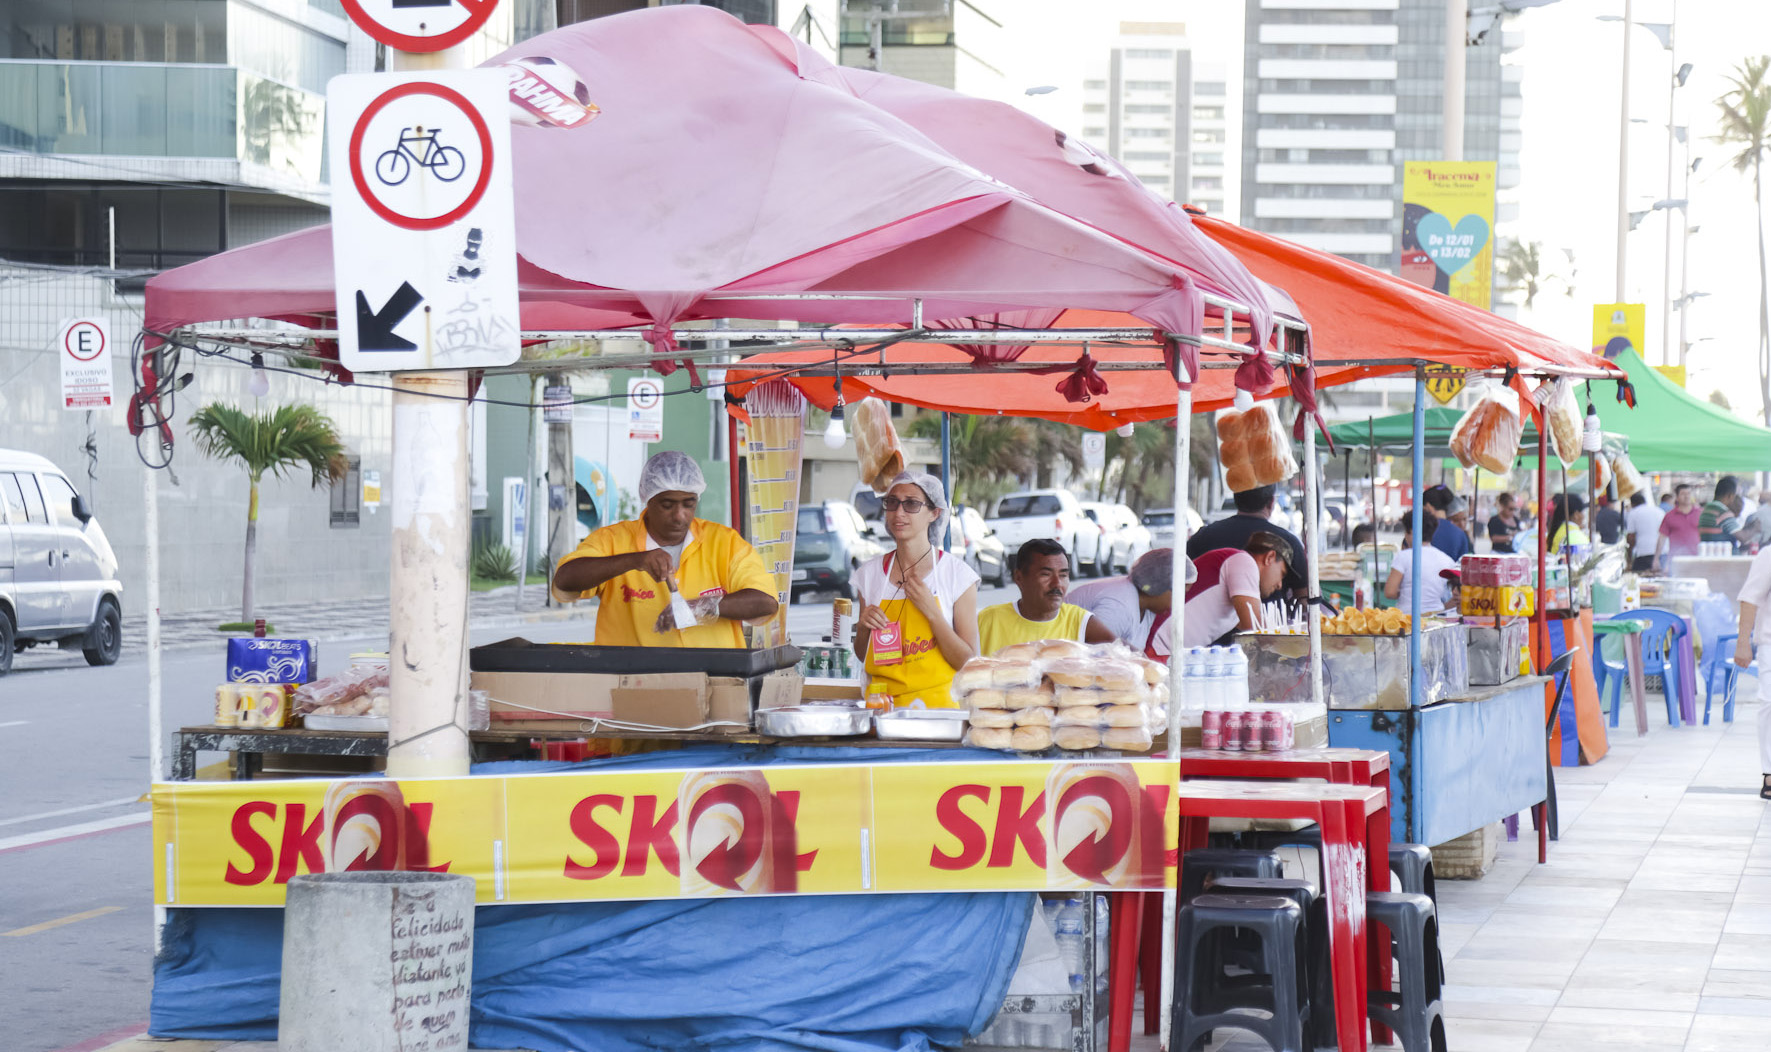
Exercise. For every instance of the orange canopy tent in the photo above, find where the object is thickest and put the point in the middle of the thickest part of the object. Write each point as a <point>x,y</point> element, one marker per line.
<point>1362,322</point>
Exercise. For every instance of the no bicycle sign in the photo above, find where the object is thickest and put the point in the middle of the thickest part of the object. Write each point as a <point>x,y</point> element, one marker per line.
<point>423,221</point>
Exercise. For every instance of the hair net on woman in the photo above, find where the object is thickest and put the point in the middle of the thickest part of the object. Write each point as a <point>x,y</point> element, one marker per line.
<point>670,470</point>
<point>937,497</point>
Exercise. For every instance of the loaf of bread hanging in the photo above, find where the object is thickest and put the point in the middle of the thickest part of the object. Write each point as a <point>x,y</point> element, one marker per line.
<point>877,449</point>
<point>1488,435</point>
<point>1254,449</point>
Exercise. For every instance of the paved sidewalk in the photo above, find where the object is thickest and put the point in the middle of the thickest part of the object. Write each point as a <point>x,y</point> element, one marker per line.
<point>347,619</point>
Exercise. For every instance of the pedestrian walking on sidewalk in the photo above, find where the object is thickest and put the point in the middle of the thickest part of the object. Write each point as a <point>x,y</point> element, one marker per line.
<point>1755,635</point>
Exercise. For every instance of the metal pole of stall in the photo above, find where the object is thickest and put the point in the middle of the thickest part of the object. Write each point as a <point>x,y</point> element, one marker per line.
<point>1312,558</point>
<point>947,454</point>
<point>1376,515</point>
<point>1177,698</point>
<point>1347,488</point>
<point>1414,540</point>
<point>156,733</point>
<point>1543,543</point>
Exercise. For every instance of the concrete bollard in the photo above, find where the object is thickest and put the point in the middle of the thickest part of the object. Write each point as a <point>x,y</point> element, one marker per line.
<point>376,962</point>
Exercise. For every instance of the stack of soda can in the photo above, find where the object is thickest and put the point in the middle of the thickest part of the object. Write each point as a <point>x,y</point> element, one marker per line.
<point>1247,730</point>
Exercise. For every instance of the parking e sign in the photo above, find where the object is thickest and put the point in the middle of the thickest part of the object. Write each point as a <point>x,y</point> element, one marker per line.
<point>84,347</point>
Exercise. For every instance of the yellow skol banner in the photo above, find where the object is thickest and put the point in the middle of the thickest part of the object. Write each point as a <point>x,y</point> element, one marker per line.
<point>1619,322</point>
<point>779,830</point>
<point>1448,228</point>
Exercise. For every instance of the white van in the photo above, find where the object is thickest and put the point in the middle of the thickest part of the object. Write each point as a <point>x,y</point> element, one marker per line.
<point>58,575</point>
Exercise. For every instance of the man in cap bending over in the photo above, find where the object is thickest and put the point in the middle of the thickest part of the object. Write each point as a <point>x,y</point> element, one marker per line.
<point>630,566</point>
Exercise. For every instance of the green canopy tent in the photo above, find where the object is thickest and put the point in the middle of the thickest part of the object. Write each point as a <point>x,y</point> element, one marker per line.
<point>1670,430</point>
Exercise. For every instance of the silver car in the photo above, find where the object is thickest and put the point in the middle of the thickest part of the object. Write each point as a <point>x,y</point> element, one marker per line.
<point>58,575</point>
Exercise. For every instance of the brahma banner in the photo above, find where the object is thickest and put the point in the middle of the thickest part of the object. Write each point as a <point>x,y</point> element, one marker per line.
<point>779,830</point>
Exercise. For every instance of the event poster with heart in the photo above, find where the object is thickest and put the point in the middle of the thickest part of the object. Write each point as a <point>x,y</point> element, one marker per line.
<point>1448,228</point>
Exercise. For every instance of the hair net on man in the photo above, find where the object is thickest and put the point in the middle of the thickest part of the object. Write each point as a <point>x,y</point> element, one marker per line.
<point>668,471</point>
<point>1154,572</point>
<point>937,496</point>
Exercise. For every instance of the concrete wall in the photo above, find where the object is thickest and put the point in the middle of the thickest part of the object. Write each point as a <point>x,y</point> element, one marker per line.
<point>203,517</point>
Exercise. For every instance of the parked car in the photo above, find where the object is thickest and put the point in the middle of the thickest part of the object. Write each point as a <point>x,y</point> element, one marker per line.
<point>972,539</point>
<point>1161,524</point>
<point>1126,537</point>
<point>58,575</point>
<point>1282,516</point>
<point>833,542</point>
<point>1051,513</point>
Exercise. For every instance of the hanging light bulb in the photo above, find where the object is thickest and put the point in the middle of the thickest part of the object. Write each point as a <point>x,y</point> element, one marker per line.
<point>1592,438</point>
<point>834,436</point>
<point>260,384</point>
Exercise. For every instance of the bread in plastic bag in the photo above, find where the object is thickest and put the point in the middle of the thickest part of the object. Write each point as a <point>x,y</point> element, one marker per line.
<point>1629,480</point>
<point>1254,448</point>
<point>877,448</point>
<point>1563,415</point>
<point>1488,435</point>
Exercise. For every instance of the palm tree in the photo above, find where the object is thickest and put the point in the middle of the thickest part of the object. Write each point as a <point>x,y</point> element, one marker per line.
<point>288,438</point>
<point>990,453</point>
<point>1746,126</point>
<point>1521,270</point>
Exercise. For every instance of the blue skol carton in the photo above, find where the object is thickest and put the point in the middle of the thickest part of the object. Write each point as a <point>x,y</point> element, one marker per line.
<point>254,660</point>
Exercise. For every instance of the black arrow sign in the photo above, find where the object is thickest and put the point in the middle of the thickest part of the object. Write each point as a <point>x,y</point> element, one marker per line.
<point>375,329</point>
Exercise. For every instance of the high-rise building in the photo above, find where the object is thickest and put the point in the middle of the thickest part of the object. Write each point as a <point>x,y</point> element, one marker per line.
<point>1338,94</point>
<point>948,43</point>
<point>1160,106</point>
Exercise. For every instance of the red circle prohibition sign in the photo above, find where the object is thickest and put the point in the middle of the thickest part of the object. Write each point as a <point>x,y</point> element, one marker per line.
<point>477,13</point>
<point>68,341</point>
<point>453,98</point>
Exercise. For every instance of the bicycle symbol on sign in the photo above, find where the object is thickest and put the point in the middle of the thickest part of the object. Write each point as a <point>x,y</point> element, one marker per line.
<point>418,146</point>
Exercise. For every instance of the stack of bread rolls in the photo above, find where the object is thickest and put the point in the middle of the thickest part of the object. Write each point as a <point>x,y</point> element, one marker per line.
<point>1254,449</point>
<point>1033,696</point>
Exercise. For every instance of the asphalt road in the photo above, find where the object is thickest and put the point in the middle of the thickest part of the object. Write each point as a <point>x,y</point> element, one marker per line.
<point>76,909</point>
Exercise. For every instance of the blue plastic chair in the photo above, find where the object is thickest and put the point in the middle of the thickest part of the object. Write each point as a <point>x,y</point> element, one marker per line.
<point>1610,670</point>
<point>1662,642</point>
<point>1718,628</point>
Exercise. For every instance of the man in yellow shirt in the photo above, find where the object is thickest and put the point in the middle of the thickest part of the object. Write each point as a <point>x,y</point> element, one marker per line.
<point>1042,573</point>
<point>628,565</point>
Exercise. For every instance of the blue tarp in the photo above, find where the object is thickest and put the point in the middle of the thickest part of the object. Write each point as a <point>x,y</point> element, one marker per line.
<point>829,973</point>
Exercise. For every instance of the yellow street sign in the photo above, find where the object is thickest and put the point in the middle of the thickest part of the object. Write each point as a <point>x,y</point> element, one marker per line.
<point>1444,382</point>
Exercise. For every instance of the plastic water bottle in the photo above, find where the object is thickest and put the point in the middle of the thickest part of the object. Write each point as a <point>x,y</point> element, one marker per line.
<point>1216,682</point>
<point>1068,933</point>
<point>1193,680</point>
<point>1236,676</point>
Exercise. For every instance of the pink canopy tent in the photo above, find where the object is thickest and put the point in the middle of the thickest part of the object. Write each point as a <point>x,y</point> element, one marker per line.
<point>732,174</point>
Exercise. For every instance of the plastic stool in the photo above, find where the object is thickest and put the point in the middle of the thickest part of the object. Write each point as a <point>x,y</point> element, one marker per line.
<point>1416,1015</point>
<point>1312,945</point>
<point>1202,863</point>
<point>1413,866</point>
<point>1197,1010</point>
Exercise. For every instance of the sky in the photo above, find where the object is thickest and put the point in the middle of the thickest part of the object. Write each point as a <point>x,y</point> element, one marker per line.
<point>1569,158</point>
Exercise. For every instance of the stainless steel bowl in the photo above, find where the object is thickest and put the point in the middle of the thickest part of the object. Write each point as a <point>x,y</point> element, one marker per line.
<point>812,721</point>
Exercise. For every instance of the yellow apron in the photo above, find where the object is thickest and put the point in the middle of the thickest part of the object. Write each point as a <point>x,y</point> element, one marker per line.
<point>923,676</point>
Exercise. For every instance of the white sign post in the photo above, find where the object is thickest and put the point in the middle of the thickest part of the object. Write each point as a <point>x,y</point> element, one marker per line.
<point>84,347</point>
<point>423,221</point>
<point>645,409</point>
<point>1094,451</point>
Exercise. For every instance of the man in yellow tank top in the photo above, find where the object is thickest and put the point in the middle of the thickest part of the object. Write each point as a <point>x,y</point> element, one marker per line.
<point>1042,573</point>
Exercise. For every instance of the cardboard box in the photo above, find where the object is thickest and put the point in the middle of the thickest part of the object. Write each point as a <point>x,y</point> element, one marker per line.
<point>829,690</point>
<point>677,699</point>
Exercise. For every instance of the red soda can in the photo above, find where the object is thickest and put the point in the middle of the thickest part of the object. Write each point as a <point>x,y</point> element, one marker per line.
<point>1211,729</point>
<point>1254,732</point>
<point>1287,732</point>
<point>1232,732</point>
<point>1271,736</point>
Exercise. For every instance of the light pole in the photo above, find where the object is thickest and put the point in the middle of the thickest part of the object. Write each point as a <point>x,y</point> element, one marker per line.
<point>1663,31</point>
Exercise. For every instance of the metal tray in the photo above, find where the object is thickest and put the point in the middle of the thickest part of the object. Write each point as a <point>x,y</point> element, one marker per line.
<point>344,723</point>
<point>812,721</point>
<point>922,725</point>
<point>520,655</point>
